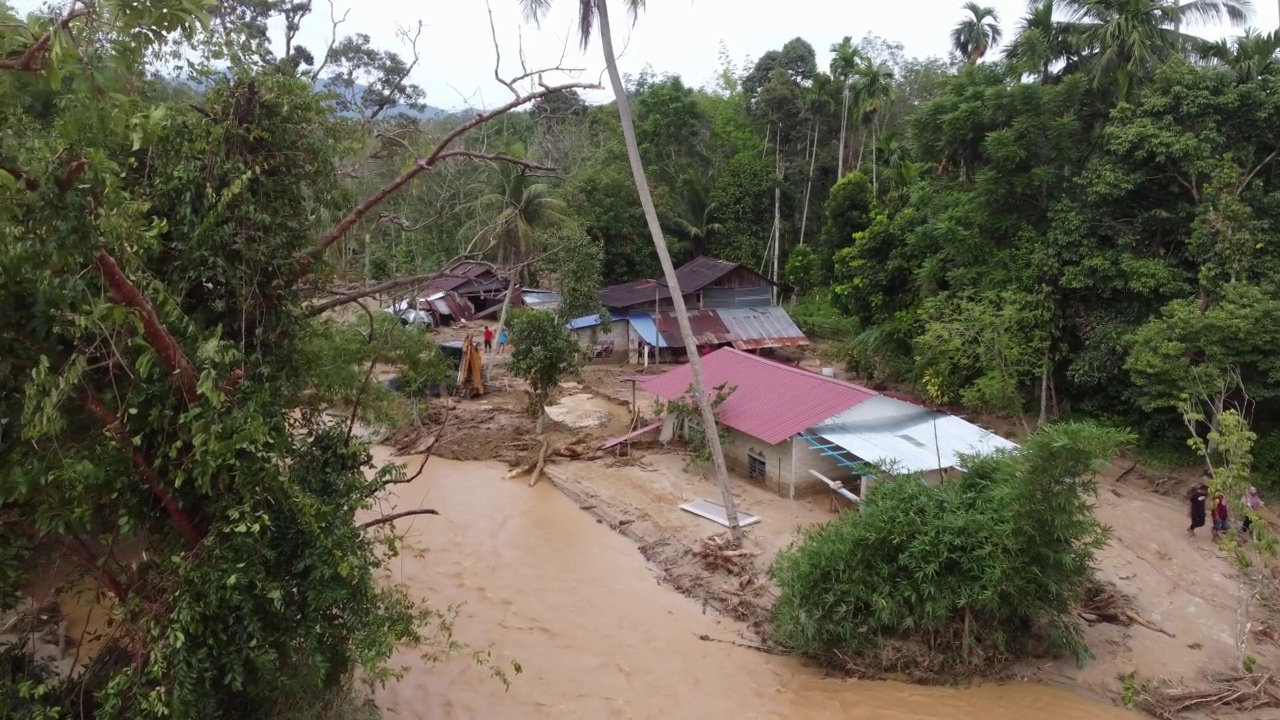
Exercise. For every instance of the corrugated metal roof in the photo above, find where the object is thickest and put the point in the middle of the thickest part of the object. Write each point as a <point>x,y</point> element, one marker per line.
<point>706,326</point>
<point>692,276</point>
<point>755,328</point>
<point>772,401</point>
<point>646,328</point>
<point>908,438</point>
<point>587,321</point>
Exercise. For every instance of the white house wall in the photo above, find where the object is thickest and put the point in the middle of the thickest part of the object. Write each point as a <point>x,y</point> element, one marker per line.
<point>778,465</point>
<point>624,341</point>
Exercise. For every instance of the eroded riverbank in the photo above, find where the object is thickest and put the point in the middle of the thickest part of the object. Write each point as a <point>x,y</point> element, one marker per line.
<point>599,637</point>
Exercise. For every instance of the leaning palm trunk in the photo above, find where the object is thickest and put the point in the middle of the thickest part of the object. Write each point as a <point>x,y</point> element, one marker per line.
<point>506,304</point>
<point>844,124</point>
<point>808,186</point>
<point>668,270</point>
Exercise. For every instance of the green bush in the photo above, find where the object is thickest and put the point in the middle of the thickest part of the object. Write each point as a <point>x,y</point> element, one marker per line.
<point>950,579</point>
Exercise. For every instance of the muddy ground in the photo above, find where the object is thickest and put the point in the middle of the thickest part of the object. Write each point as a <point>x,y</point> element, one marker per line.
<point>1177,596</point>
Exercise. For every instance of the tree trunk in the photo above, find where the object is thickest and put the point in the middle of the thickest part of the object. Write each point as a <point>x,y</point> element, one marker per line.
<point>506,305</point>
<point>875,185</point>
<point>862,146</point>
<point>1044,391</point>
<point>669,272</point>
<point>808,186</point>
<point>777,209</point>
<point>844,125</point>
<point>367,257</point>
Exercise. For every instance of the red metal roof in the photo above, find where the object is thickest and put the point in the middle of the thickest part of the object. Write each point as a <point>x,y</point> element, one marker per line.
<point>773,401</point>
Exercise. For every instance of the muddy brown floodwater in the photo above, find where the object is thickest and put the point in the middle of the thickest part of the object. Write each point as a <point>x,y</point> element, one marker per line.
<point>544,584</point>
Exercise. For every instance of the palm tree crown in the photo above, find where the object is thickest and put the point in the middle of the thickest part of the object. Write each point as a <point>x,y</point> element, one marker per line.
<point>977,33</point>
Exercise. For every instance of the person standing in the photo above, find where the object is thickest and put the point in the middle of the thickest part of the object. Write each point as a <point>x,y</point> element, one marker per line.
<point>1221,515</point>
<point>1252,503</point>
<point>502,341</point>
<point>1198,495</point>
<point>488,339</point>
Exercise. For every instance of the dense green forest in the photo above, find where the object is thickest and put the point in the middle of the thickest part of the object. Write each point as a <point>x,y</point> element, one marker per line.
<point>1073,219</point>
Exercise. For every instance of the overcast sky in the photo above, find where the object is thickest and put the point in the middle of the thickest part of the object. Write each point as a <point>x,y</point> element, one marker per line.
<point>677,36</point>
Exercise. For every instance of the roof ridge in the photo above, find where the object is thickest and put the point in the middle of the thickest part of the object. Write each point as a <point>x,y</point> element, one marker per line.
<point>801,371</point>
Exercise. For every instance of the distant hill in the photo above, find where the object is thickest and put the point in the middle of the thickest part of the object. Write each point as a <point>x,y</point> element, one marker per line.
<point>428,112</point>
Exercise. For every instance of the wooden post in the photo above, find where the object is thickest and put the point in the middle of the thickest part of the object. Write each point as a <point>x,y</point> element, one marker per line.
<point>793,469</point>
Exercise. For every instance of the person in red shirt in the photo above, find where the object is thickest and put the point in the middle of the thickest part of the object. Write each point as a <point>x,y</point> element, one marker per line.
<point>1221,515</point>
<point>488,339</point>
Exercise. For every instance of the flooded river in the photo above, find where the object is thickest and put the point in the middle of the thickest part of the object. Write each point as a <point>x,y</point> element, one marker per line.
<point>598,637</point>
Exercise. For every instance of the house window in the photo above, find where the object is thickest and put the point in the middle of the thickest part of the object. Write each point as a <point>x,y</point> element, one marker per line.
<point>756,465</point>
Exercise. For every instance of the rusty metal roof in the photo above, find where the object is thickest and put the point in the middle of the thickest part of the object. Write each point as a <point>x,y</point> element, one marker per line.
<point>745,329</point>
<point>692,276</point>
<point>772,401</point>
<point>706,325</point>
<point>477,278</point>
<point>755,328</point>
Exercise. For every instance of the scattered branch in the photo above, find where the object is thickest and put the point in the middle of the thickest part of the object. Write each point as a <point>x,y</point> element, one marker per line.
<point>496,157</point>
<point>186,526</point>
<point>395,516</point>
<point>171,354</point>
<point>32,60</point>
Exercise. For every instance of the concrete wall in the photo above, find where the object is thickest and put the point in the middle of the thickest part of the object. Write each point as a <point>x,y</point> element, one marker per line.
<point>778,464</point>
<point>619,334</point>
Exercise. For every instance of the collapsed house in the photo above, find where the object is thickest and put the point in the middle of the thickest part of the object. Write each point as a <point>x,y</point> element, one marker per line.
<point>728,304</point>
<point>797,432</point>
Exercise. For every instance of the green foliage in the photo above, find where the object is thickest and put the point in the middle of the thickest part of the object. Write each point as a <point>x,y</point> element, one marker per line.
<point>542,352</point>
<point>848,211</point>
<point>978,570</point>
<point>162,387</point>
<point>575,260</point>
<point>687,412</point>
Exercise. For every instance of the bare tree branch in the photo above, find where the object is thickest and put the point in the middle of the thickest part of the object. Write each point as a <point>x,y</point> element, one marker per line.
<point>413,44</point>
<point>358,212</point>
<point>496,157</point>
<point>333,41</point>
<point>395,516</point>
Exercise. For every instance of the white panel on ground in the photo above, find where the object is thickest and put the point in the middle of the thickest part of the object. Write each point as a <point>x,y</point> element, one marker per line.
<point>714,512</point>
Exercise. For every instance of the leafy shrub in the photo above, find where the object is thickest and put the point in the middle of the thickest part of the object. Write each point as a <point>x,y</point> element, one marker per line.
<point>960,574</point>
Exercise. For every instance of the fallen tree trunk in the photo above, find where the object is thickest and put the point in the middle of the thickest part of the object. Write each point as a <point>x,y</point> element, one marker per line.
<point>542,462</point>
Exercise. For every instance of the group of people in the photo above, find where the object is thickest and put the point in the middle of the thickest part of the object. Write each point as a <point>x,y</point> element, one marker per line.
<point>1199,497</point>
<point>488,340</point>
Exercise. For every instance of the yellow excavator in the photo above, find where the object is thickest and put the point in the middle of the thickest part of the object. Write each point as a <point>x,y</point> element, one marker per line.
<point>470,370</point>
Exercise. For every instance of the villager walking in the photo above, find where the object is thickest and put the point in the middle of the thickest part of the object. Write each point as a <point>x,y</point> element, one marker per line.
<point>1221,515</point>
<point>1252,503</point>
<point>502,341</point>
<point>488,339</point>
<point>1198,495</point>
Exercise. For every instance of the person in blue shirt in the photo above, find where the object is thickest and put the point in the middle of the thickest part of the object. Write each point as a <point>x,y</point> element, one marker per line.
<point>502,341</point>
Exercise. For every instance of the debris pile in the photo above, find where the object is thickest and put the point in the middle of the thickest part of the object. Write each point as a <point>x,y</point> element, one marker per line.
<point>1242,693</point>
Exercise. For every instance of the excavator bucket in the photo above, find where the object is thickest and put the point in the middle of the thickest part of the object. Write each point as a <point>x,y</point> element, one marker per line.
<point>471,369</point>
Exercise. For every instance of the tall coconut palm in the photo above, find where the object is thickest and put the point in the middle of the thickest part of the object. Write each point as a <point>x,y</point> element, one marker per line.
<point>1123,41</point>
<point>509,210</point>
<point>977,33</point>
<point>591,12</point>
<point>694,222</point>
<point>818,104</point>
<point>1043,41</point>
<point>874,89</point>
<point>1250,55</point>
<point>845,61</point>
